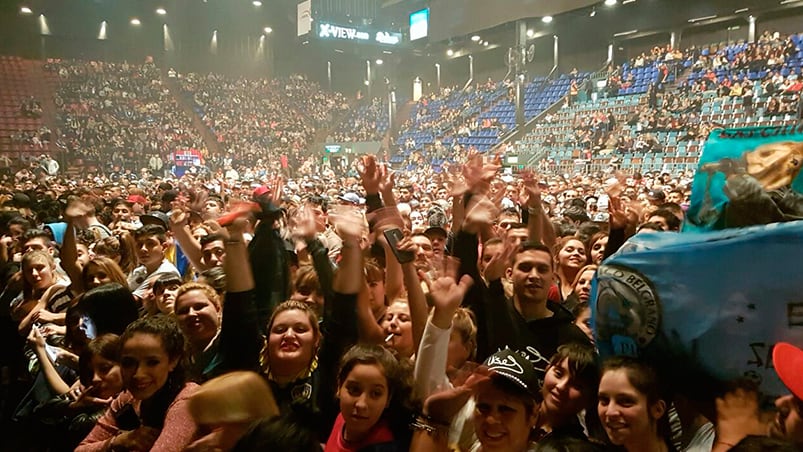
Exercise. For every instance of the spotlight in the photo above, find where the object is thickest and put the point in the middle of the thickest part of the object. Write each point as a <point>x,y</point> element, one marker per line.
<point>256,3</point>
<point>485,43</point>
<point>135,21</point>
<point>449,52</point>
<point>268,30</point>
<point>530,33</point>
<point>161,11</point>
<point>593,13</point>
<point>610,2</point>
<point>475,38</point>
<point>26,10</point>
<point>546,19</point>
<point>367,83</point>
<point>379,61</point>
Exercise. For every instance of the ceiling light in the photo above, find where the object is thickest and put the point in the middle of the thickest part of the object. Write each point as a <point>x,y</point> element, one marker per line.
<point>610,2</point>
<point>135,21</point>
<point>700,19</point>
<point>367,83</point>
<point>628,1</point>
<point>625,33</point>
<point>256,3</point>
<point>485,43</point>
<point>268,30</point>
<point>475,38</point>
<point>593,12</point>
<point>530,33</point>
<point>379,61</point>
<point>741,10</point>
<point>450,52</point>
<point>26,10</point>
<point>786,2</point>
<point>546,19</point>
<point>161,11</point>
<point>387,52</point>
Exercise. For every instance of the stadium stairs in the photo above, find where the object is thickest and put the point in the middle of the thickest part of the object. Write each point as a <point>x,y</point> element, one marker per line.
<point>185,102</point>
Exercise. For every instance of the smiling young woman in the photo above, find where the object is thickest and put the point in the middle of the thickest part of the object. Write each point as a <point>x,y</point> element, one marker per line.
<point>632,406</point>
<point>152,413</point>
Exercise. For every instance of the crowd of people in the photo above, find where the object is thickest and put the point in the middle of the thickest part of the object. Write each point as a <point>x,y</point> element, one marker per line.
<point>264,301</point>
<point>119,115</point>
<point>346,312</point>
<point>367,122</point>
<point>261,119</point>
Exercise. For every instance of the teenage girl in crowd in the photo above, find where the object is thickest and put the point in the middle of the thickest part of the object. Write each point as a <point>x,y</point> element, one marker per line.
<point>151,414</point>
<point>633,407</point>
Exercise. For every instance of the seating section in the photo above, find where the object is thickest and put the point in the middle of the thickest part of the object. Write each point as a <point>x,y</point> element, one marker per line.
<point>19,124</point>
<point>119,114</point>
<point>366,122</point>
<point>434,119</point>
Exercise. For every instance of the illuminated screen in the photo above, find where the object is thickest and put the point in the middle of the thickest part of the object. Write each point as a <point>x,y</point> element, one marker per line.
<point>419,24</point>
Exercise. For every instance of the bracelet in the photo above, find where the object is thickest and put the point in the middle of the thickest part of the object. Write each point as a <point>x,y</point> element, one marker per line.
<point>429,425</point>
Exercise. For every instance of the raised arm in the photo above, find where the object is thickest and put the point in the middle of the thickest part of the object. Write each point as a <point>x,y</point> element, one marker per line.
<point>54,380</point>
<point>430,364</point>
<point>179,226</point>
<point>539,228</point>
<point>419,311</point>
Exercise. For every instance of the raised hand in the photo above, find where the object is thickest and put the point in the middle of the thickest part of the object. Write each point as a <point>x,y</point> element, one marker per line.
<point>499,264</point>
<point>446,296</point>
<point>532,192</point>
<point>616,213</point>
<point>738,416</point>
<point>481,212</point>
<point>76,212</point>
<point>370,174</point>
<point>348,223</point>
<point>302,224</point>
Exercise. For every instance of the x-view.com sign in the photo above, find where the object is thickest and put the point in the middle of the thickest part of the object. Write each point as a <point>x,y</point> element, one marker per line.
<point>330,31</point>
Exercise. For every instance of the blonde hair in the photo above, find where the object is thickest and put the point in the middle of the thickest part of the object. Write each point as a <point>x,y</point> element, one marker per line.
<point>235,397</point>
<point>205,288</point>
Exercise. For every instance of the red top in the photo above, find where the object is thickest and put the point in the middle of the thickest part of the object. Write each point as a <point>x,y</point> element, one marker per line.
<point>379,434</point>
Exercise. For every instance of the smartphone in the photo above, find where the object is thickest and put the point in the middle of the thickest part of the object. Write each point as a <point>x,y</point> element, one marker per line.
<point>394,236</point>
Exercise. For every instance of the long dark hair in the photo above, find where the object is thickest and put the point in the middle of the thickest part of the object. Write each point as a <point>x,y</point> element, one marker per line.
<point>154,409</point>
<point>399,376</point>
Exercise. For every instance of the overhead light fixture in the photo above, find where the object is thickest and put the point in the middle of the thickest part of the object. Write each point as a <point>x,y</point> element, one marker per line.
<point>530,33</point>
<point>449,52</point>
<point>26,10</point>
<point>486,43</point>
<point>102,33</point>
<point>256,3</point>
<point>593,13</point>
<point>786,2</point>
<point>268,30</point>
<point>339,51</point>
<point>475,38</point>
<point>700,19</point>
<point>625,33</point>
<point>161,11</point>
<point>387,52</point>
<point>610,2</point>
<point>379,62</point>
<point>135,21</point>
<point>367,83</point>
<point>741,10</point>
<point>546,19</point>
<point>628,1</point>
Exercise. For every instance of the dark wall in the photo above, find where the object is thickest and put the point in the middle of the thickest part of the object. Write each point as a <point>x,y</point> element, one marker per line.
<point>460,17</point>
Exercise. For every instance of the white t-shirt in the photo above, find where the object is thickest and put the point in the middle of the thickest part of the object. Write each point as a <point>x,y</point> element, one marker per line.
<point>139,281</point>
